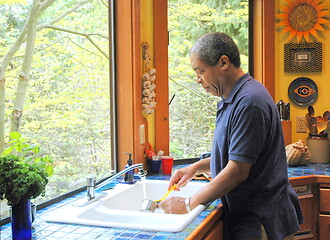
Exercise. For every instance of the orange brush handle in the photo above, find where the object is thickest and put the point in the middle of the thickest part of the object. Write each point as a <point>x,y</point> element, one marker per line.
<point>166,194</point>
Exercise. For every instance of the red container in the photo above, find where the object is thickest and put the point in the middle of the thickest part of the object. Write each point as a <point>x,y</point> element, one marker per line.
<point>167,164</point>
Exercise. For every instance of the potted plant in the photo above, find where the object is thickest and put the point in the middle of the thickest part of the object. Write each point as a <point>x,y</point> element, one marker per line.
<point>23,176</point>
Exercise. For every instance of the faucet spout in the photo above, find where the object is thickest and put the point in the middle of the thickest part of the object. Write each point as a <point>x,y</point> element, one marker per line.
<point>139,166</point>
<point>92,185</point>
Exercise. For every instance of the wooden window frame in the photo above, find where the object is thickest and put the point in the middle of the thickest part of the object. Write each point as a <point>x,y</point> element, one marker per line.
<point>128,70</point>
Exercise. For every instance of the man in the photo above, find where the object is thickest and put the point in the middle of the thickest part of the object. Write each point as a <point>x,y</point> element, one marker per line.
<point>248,161</point>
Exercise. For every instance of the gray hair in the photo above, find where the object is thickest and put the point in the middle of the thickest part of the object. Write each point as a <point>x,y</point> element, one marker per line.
<point>212,46</point>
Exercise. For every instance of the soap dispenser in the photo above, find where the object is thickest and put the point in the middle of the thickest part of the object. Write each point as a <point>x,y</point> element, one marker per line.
<point>129,176</point>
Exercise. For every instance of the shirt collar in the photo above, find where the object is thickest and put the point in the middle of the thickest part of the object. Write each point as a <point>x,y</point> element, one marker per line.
<point>246,77</point>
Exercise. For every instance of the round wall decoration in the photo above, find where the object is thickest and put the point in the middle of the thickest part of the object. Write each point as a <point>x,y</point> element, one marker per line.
<point>303,91</point>
<point>301,18</point>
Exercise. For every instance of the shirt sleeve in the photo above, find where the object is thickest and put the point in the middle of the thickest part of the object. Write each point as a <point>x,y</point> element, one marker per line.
<point>248,134</point>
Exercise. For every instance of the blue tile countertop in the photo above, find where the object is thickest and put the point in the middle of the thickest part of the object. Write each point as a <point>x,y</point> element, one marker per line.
<point>58,231</point>
<point>310,169</point>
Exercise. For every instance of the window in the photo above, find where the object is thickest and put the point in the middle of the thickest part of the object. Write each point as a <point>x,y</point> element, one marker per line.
<point>192,111</point>
<point>67,102</point>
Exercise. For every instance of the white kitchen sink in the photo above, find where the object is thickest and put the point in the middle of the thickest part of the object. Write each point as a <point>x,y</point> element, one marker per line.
<point>120,208</point>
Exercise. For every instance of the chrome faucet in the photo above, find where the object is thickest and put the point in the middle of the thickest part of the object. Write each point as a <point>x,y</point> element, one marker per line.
<point>142,173</point>
<point>92,186</point>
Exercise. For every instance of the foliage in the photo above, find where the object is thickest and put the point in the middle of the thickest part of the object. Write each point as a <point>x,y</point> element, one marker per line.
<point>67,102</point>
<point>28,153</point>
<point>20,180</point>
<point>192,111</point>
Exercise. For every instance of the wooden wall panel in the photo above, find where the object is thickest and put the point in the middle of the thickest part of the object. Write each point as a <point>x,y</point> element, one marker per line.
<point>128,81</point>
<point>161,64</point>
<point>264,43</point>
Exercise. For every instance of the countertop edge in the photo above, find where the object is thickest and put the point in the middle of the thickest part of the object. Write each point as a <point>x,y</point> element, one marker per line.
<point>205,226</point>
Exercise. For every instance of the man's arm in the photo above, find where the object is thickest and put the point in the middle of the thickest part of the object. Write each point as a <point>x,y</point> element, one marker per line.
<point>228,179</point>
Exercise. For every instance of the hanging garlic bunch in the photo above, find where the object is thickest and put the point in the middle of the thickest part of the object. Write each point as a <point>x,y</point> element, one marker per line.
<point>148,82</point>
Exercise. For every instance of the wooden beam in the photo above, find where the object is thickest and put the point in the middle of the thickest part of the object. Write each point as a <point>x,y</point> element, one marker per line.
<point>162,137</point>
<point>264,43</point>
<point>128,81</point>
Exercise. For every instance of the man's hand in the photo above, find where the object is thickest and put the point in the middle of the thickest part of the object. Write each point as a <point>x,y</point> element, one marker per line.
<point>182,176</point>
<point>173,205</point>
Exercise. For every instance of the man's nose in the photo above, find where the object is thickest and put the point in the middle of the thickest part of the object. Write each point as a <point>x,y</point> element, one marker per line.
<point>199,79</point>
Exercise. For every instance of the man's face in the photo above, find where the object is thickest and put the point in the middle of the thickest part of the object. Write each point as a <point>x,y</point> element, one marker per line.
<point>210,77</point>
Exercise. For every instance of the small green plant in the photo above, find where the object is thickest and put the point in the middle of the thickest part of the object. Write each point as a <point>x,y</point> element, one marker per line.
<point>24,171</point>
<point>28,153</point>
<point>20,181</point>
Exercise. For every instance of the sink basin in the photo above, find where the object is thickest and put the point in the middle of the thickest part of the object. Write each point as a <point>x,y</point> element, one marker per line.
<point>121,208</point>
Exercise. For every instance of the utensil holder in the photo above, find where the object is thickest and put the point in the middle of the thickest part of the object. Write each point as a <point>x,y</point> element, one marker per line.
<point>318,146</point>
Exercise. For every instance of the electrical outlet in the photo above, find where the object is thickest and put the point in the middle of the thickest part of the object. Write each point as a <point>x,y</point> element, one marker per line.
<point>300,125</point>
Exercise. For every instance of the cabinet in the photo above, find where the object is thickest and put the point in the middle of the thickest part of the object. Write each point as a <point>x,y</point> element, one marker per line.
<point>306,195</point>
<point>211,228</point>
<point>314,197</point>
<point>215,232</point>
<point>324,199</point>
<point>324,232</point>
<point>324,216</point>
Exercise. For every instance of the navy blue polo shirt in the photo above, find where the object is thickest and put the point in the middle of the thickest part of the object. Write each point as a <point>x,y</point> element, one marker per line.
<point>248,129</point>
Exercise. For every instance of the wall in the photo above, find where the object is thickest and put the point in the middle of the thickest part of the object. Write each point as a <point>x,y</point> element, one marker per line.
<point>147,36</point>
<point>283,80</point>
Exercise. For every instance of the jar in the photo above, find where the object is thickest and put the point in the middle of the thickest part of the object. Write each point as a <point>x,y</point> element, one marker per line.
<point>318,145</point>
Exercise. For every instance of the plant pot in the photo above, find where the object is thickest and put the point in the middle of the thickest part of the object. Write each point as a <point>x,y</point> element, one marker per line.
<point>21,220</point>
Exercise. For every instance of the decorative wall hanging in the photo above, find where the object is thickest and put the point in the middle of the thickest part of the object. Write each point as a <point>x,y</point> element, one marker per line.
<point>148,82</point>
<point>302,18</point>
<point>303,57</point>
<point>302,91</point>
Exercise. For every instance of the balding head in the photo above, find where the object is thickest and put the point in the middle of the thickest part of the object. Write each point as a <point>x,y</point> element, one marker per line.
<point>212,46</point>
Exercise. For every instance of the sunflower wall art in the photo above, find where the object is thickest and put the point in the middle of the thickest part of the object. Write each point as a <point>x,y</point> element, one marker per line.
<point>302,18</point>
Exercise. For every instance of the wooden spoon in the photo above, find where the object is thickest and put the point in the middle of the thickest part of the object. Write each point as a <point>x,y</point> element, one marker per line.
<point>326,115</point>
<point>321,124</point>
<point>311,111</point>
<point>313,125</point>
<point>307,121</point>
<point>327,128</point>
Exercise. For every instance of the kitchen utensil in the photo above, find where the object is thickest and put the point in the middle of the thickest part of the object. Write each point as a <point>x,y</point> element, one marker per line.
<point>287,111</point>
<point>327,128</point>
<point>307,121</point>
<point>319,148</point>
<point>321,124</point>
<point>313,125</point>
<point>281,109</point>
<point>326,115</point>
<point>311,111</point>
<point>150,206</point>
<point>166,194</point>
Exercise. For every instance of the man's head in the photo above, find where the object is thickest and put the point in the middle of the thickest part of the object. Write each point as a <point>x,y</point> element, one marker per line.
<point>212,46</point>
<point>216,61</point>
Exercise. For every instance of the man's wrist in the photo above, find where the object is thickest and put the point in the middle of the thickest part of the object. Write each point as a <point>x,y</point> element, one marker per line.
<point>187,202</point>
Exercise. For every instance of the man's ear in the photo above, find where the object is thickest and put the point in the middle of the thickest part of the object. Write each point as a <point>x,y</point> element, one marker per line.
<point>223,60</point>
